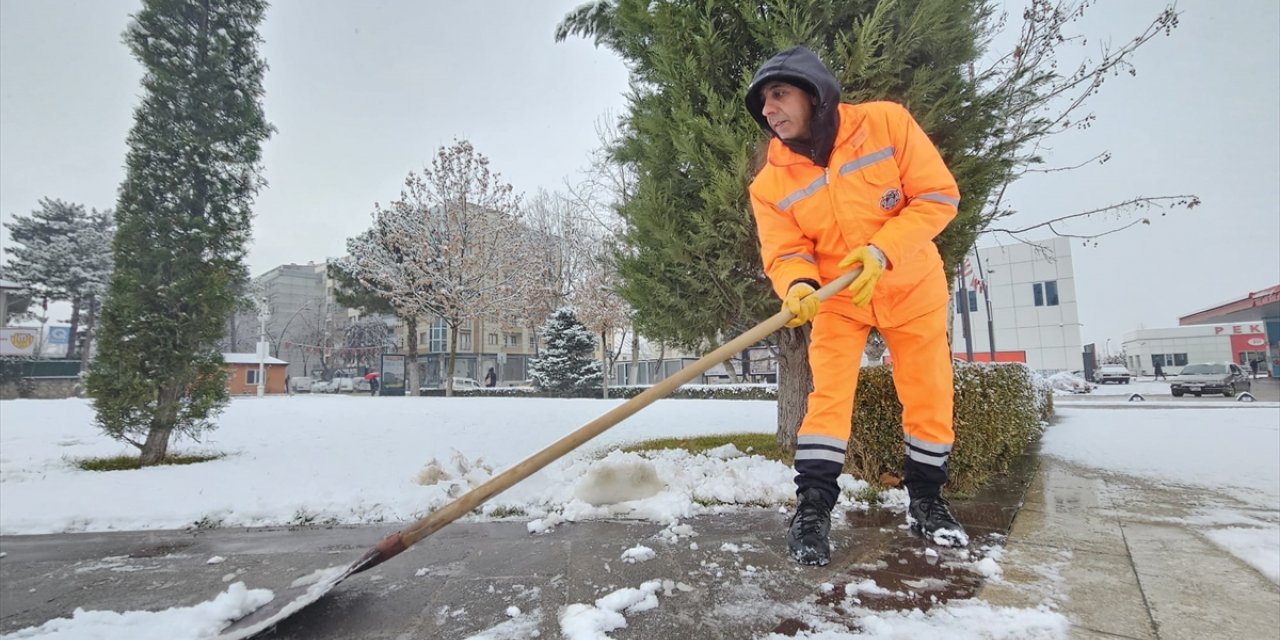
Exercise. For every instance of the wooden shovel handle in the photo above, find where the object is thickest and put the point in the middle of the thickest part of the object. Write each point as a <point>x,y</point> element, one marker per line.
<point>434,521</point>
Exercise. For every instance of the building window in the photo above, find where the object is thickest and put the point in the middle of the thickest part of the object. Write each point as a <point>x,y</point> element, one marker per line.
<point>439,334</point>
<point>1046,293</point>
<point>512,340</point>
<point>1169,359</point>
<point>464,340</point>
<point>533,341</point>
<point>973,302</point>
<point>493,339</point>
<point>251,377</point>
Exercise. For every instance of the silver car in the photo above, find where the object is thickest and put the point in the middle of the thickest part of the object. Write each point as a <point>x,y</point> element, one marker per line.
<point>1210,377</point>
<point>1112,373</point>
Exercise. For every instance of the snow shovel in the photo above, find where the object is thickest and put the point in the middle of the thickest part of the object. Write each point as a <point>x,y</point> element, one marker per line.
<point>290,600</point>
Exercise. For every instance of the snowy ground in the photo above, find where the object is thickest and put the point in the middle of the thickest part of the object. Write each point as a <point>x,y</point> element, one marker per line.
<point>311,459</point>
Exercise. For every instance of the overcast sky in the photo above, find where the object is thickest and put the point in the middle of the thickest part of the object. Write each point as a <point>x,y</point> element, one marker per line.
<point>363,92</point>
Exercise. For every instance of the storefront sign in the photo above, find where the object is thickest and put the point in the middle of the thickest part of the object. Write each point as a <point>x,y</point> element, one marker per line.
<point>1238,329</point>
<point>18,341</point>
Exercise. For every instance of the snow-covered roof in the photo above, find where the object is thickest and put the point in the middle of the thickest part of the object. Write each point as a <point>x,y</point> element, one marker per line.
<point>9,284</point>
<point>249,358</point>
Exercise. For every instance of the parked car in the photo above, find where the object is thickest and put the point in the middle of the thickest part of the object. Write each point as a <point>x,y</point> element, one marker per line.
<point>1112,373</point>
<point>459,383</point>
<point>301,384</point>
<point>1210,377</point>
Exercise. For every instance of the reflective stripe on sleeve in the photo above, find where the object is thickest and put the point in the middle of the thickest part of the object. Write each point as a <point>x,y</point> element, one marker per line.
<point>938,197</point>
<point>803,256</point>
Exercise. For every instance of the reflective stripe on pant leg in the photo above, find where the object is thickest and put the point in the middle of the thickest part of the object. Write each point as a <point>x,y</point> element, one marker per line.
<point>835,353</point>
<point>923,377</point>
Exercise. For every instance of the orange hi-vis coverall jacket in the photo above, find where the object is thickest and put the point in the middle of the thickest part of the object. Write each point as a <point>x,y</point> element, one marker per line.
<point>885,185</point>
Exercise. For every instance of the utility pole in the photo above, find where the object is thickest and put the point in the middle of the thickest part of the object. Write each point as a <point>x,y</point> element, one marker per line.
<point>964,312</point>
<point>986,294</point>
<point>263,313</point>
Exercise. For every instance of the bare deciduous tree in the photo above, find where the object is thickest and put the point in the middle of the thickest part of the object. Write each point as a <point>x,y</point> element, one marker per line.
<point>451,246</point>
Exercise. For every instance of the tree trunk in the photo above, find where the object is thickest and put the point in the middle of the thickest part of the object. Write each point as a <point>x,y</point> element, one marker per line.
<point>233,343</point>
<point>729,369</point>
<point>633,373</point>
<point>411,325</point>
<point>75,328</point>
<point>795,380</point>
<point>156,447</point>
<point>88,334</point>
<point>453,352</point>
<point>875,347</point>
<point>604,364</point>
<point>163,422</point>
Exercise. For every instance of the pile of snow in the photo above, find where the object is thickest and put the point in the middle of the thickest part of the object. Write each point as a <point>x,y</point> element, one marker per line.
<point>204,620</point>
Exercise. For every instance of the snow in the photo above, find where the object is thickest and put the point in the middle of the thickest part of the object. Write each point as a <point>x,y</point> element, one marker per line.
<point>592,622</point>
<point>357,459</point>
<point>638,553</point>
<point>178,623</point>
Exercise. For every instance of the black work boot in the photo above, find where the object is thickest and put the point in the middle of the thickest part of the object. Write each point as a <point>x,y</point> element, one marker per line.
<point>810,533</point>
<point>930,518</point>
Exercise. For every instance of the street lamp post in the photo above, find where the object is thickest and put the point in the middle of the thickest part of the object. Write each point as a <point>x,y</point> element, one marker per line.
<point>264,312</point>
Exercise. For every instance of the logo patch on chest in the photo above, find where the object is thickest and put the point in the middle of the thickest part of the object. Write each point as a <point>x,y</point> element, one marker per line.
<point>890,199</point>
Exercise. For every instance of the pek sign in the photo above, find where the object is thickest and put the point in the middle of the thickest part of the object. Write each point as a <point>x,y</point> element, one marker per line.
<point>1238,329</point>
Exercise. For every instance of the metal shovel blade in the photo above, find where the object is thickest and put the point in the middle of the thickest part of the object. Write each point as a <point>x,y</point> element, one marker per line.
<point>285,603</point>
<point>304,591</point>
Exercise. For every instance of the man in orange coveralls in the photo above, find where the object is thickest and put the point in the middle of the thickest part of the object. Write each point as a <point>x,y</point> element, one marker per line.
<point>857,185</point>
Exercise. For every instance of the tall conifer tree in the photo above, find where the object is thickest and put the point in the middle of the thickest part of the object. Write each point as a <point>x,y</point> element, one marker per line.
<point>184,220</point>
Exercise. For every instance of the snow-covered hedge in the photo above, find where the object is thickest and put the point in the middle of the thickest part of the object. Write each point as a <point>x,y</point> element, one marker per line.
<point>999,410</point>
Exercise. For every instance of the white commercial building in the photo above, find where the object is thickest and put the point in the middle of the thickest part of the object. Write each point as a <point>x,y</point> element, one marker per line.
<point>1176,347</point>
<point>1034,314</point>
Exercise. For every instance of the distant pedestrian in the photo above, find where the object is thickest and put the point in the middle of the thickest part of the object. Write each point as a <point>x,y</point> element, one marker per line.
<point>1160,371</point>
<point>1253,367</point>
<point>491,378</point>
<point>373,386</point>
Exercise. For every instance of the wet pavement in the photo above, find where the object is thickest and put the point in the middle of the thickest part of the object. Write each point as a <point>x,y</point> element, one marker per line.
<point>730,579</point>
<point>1125,557</point>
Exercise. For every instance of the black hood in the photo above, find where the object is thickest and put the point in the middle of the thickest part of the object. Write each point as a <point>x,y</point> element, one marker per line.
<point>801,67</point>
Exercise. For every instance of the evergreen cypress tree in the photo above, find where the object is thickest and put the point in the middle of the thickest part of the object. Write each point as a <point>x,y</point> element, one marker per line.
<point>566,363</point>
<point>693,269</point>
<point>63,252</point>
<point>184,220</point>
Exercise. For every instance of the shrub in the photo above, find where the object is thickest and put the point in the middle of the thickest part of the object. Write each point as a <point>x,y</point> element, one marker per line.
<point>999,410</point>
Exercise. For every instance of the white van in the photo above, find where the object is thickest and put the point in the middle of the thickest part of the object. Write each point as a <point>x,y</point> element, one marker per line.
<point>465,383</point>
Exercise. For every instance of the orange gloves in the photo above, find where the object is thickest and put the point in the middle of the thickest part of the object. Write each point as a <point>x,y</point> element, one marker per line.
<point>801,302</point>
<point>873,263</point>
